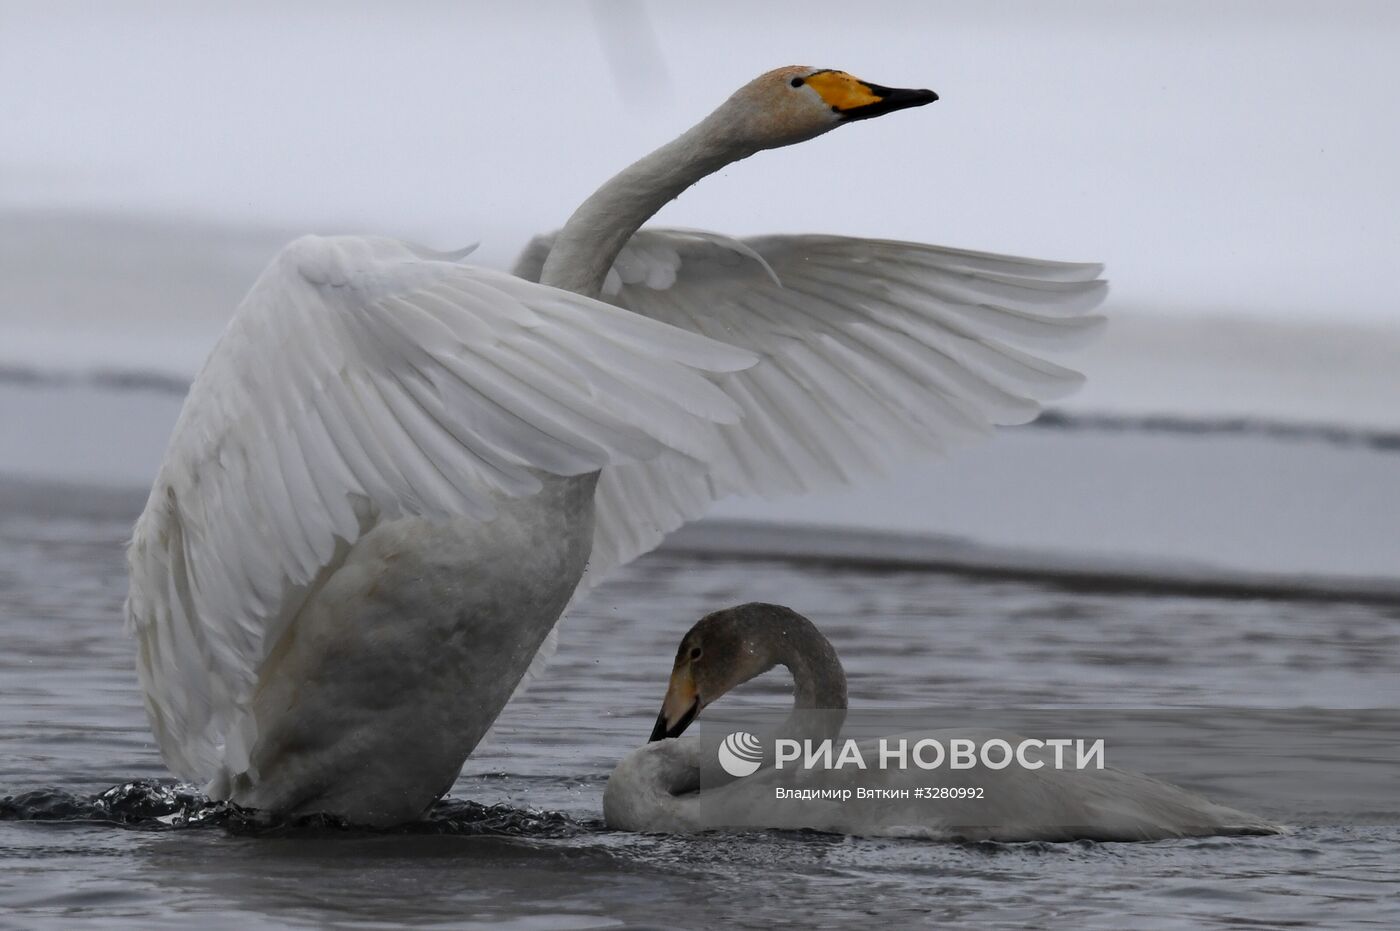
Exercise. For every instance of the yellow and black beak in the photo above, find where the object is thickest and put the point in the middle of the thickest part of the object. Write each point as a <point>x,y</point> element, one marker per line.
<point>888,100</point>
<point>679,707</point>
<point>853,99</point>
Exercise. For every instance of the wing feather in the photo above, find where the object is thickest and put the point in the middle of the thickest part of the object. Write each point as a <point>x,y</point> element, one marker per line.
<point>871,351</point>
<point>364,379</point>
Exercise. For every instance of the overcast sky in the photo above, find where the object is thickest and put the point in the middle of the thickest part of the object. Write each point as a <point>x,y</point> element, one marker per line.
<point>1220,157</point>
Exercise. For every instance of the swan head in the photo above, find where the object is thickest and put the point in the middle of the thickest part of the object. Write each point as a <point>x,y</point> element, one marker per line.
<point>720,653</point>
<point>793,104</point>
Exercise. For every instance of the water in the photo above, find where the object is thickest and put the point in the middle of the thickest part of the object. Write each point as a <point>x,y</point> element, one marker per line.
<point>521,844</point>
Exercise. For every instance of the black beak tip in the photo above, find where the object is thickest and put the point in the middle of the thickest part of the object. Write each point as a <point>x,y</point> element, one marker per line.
<point>889,100</point>
<point>910,98</point>
<point>661,730</point>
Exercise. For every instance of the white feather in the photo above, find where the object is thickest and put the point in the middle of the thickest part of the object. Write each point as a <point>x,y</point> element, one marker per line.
<point>871,350</point>
<point>364,379</point>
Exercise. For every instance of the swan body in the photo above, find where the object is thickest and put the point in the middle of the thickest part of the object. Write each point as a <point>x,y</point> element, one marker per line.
<point>419,611</point>
<point>1019,804</point>
<point>657,788</point>
<point>396,469</point>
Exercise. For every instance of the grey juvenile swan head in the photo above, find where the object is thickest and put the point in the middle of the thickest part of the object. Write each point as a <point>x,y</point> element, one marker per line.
<point>728,648</point>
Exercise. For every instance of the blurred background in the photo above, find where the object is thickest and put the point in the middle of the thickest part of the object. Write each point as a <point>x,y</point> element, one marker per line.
<point>1232,164</point>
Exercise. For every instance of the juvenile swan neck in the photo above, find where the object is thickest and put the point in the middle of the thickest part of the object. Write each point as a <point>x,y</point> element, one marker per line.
<point>587,245</point>
<point>818,680</point>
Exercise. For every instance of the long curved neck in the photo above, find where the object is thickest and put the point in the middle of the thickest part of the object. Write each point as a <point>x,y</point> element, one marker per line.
<point>819,683</point>
<point>600,227</point>
<point>818,680</point>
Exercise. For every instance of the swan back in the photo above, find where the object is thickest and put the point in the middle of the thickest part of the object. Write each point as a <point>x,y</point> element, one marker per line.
<point>657,788</point>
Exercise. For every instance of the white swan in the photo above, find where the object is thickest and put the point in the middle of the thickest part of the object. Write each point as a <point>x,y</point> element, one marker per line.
<point>388,479</point>
<point>655,787</point>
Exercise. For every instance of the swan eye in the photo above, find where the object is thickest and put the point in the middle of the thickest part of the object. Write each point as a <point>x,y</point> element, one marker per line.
<point>797,82</point>
<point>695,652</point>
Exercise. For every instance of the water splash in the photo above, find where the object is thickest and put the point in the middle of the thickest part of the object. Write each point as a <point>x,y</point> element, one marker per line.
<point>162,805</point>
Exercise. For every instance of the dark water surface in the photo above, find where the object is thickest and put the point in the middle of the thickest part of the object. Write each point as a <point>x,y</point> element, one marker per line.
<point>522,846</point>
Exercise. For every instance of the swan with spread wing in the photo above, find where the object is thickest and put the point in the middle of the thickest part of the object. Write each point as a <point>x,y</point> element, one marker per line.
<point>395,469</point>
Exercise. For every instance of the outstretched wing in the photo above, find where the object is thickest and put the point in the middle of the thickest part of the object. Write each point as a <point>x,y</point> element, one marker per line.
<point>364,379</point>
<point>871,350</point>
